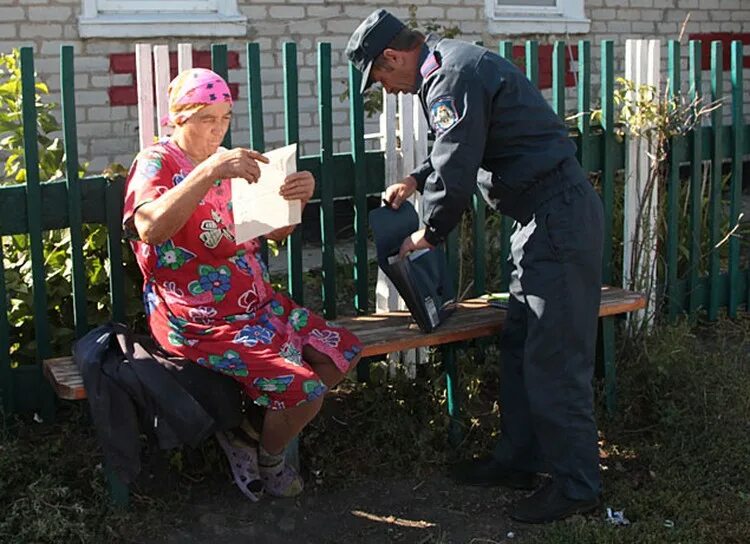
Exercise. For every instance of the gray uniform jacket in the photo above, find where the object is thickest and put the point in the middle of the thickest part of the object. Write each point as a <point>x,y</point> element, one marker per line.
<point>484,113</point>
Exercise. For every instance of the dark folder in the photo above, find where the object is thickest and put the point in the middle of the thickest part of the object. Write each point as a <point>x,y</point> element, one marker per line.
<point>421,278</point>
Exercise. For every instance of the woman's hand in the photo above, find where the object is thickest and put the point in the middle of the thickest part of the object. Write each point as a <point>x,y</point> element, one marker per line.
<point>298,186</point>
<point>236,163</point>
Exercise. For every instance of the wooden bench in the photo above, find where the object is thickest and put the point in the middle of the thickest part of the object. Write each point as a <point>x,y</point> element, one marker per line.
<point>389,332</point>
<point>395,331</point>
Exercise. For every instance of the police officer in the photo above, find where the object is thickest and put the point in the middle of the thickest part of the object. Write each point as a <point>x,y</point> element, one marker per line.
<point>485,113</point>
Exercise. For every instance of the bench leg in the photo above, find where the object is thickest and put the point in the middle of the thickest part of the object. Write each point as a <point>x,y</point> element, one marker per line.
<point>47,400</point>
<point>119,491</point>
<point>455,434</point>
<point>291,453</point>
<point>363,370</point>
<point>607,338</point>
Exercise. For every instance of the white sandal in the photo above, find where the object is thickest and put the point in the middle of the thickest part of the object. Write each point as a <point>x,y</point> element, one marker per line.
<point>243,460</point>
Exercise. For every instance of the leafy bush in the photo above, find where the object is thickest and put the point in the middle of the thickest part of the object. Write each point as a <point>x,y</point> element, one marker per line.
<point>57,261</point>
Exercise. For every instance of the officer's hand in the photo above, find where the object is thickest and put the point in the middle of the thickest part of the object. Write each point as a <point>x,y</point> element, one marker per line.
<point>398,192</point>
<point>414,242</point>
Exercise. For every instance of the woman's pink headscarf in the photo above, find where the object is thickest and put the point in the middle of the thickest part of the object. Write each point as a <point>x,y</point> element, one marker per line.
<point>193,90</point>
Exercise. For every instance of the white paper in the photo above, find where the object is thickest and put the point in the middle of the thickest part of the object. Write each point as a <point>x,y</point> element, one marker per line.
<point>258,208</point>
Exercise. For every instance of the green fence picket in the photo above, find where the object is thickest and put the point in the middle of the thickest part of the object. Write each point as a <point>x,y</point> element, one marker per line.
<point>532,61</point>
<point>736,296</point>
<point>559,76</point>
<point>255,113</point>
<point>608,153</point>
<point>479,237</point>
<point>505,49</point>
<point>673,189</point>
<point>114,204</point>
<point>714,224</point>
<point>6,374</point>
<point>453,256</point>
<point>584,104</point>
<point>220,65</point>
<point>696,179</point>
<point>291,133</point>
<point>34,211</point>
<point>327,227</point>
<point>70,143</point>
<point>357,142</point>
<point>479,243</point>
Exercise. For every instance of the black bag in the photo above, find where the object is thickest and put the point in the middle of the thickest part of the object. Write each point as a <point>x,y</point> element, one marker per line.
<point>421,278</point>
<point>133,388</point>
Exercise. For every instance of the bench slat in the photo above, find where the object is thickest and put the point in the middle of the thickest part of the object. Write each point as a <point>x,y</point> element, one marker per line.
<point>63,374</point>
<point>387,333</point>
<point>474,318</point>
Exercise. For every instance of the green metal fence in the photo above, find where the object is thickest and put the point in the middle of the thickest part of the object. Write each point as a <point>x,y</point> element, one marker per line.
<point>704,282</point>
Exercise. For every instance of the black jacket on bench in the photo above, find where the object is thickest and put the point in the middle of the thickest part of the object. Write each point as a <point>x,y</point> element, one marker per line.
<point>132,388</point>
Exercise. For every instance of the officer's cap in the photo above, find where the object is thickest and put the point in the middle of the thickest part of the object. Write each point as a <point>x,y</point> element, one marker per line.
<point>370,39</point>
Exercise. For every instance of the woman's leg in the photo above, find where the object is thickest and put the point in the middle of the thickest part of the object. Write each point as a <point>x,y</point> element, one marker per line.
<point>324,366</point>
<point>280,426</point>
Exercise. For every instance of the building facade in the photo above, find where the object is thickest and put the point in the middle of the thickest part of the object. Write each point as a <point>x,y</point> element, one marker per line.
<point>104,32</point>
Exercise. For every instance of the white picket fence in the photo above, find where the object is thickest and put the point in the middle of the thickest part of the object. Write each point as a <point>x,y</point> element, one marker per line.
<point>153,77</point>
<point>642,67</point>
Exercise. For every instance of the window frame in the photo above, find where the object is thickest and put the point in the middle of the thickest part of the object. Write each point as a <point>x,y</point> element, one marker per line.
<point>566,17</point>
<point>129,19</point>
<point>127,6</point>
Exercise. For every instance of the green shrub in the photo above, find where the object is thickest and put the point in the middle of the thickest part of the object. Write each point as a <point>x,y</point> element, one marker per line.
<point>57,257</point>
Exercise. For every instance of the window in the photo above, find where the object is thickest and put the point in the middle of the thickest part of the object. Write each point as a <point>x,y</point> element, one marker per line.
<point>153,18</point>
<point>536,17</point>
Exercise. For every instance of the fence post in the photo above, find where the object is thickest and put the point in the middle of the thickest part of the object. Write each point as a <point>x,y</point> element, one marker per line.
<point>145,85</point>
<point>642,67</point>
<point>736,296</point>
<point>386,296</point>
<point>404,143</point>
<point>161,85</point>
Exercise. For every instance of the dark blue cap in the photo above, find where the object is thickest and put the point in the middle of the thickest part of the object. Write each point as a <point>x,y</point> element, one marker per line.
<point>369,41</point>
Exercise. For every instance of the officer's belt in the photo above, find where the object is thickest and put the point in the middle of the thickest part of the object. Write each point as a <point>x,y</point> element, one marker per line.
<point>522,205</point>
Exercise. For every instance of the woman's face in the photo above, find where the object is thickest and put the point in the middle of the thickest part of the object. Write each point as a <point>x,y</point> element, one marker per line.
<point>203,133</point>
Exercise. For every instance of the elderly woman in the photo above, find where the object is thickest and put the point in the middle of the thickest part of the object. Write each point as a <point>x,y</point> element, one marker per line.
<point>208,299</point>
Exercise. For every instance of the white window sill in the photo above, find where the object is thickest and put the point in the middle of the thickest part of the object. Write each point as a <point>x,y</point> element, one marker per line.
<point>537,25</point>
<point>162,25</point>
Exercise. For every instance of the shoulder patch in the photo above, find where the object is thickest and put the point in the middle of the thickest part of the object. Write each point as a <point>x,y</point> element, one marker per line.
<point>443,114</point>
<point>430,65</point>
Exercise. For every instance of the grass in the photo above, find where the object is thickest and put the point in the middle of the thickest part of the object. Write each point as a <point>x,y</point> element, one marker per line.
<point>678,450</point>
<point>677,458</point>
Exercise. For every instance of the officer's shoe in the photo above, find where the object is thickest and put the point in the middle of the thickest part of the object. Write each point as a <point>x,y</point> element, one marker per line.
<point>488,472</point>
<point>550,504</point>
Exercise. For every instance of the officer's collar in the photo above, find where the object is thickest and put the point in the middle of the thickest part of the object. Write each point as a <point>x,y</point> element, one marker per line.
<point>432,40</point>
<point>427,51</point>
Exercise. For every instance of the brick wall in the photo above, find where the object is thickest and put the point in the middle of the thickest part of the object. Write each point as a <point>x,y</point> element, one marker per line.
<point>109,132</point>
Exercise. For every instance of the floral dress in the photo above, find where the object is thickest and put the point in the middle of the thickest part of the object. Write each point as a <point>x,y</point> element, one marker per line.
<point>209,299</point>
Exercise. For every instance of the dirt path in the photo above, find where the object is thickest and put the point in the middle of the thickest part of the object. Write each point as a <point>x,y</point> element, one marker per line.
<point>377,511</point>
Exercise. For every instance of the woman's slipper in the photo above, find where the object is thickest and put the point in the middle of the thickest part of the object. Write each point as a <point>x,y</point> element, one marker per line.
<point>284,483</point>
<point>243,460</point>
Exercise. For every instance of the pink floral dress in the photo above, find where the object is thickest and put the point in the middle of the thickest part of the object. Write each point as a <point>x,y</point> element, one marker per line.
<point>209,299</point>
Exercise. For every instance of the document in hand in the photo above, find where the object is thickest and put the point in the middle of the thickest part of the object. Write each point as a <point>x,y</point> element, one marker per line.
<point>421,278</point>
<point>258,208</point>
